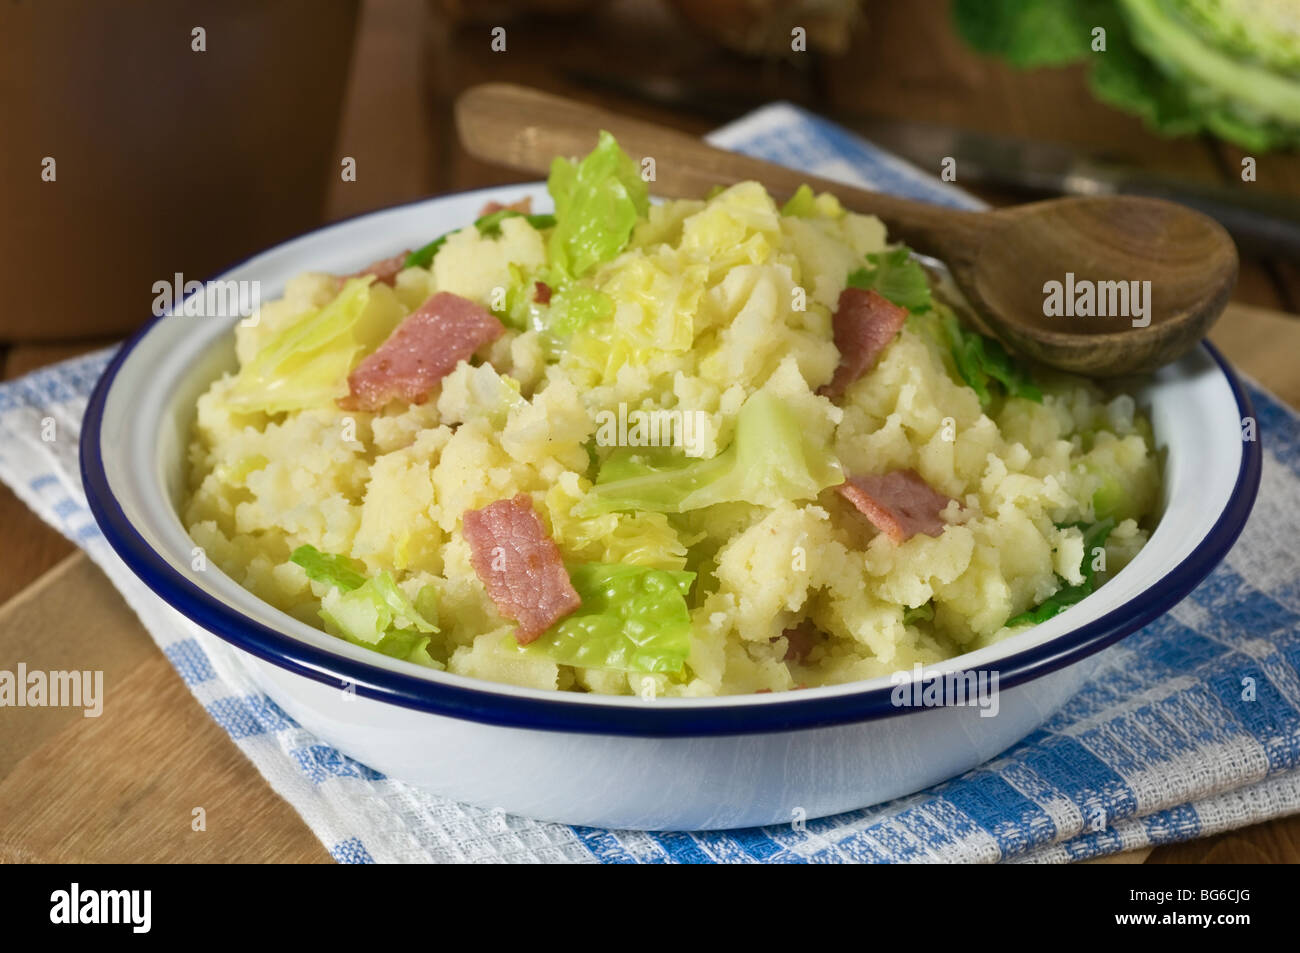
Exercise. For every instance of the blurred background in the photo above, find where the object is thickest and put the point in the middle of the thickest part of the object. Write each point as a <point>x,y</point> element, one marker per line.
<point>186,136</point>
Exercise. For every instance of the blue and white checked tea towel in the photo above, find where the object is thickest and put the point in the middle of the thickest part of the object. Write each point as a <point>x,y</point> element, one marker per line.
<point>1160,744</point>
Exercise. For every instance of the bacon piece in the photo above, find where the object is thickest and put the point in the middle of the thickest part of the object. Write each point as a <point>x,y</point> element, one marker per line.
<point>385,270</point>
<point>541,292</point>
<point>865,323</point>
<point>420,352</point>
<point>520,565</point>
<point>800,641</point>
<point>524,206</point>
<point>900,504</point>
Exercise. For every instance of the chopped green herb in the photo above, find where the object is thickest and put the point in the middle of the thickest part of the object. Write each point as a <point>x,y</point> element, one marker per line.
<point>489,225</point>
<point>895,275</point>
<point>982,362</point>
<point>1094,536</point>
<point>921,613</point>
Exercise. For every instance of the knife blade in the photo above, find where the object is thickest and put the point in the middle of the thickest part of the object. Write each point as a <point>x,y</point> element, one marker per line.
<point>1262,222</point>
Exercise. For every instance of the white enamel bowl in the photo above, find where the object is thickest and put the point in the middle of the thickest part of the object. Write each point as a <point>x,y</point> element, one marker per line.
<point>626,762</point>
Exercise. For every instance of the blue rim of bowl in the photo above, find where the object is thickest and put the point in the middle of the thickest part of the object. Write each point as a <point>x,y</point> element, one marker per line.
<point>653,719</point>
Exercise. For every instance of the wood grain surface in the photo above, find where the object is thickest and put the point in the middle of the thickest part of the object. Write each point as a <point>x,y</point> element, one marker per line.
<point>123,786</point>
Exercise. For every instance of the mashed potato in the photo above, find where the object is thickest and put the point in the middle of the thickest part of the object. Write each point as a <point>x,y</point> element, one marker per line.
<point>710,302</point>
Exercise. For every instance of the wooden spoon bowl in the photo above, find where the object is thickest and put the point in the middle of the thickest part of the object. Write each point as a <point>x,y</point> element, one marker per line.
<point>1002,260</point>
<point>1105,249</point>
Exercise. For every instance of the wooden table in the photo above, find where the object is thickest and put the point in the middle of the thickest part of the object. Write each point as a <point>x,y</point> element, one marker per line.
<point>123,786</point>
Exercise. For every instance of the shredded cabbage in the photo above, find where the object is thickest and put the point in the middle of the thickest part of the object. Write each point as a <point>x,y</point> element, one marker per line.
<point>372,612</point>
<point>337,571</point>
<point>576,305</point>
<point>597,203</point>
<point>803,204</point>
<point>769,461</point>
<point>632,619</point>
<point>306,363</point>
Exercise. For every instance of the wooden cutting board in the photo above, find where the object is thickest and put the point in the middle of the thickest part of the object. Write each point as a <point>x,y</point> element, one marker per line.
<point>124,786</point>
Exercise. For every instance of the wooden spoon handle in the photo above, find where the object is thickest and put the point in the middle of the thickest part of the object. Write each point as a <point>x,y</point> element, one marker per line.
<point>524,128</point>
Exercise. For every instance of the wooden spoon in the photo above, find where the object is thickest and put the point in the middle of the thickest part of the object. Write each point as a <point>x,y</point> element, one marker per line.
<point>1002,260</point>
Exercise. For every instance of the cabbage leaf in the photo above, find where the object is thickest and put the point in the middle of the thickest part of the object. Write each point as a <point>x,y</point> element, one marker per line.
<point>1228,67</point>
<point>307,362</point>
<point>632,619</point>
<point>769,461</point>
<point>337,571</point>
<point>373,612</point>
<point>597,204</point>
<point>803,204</point>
